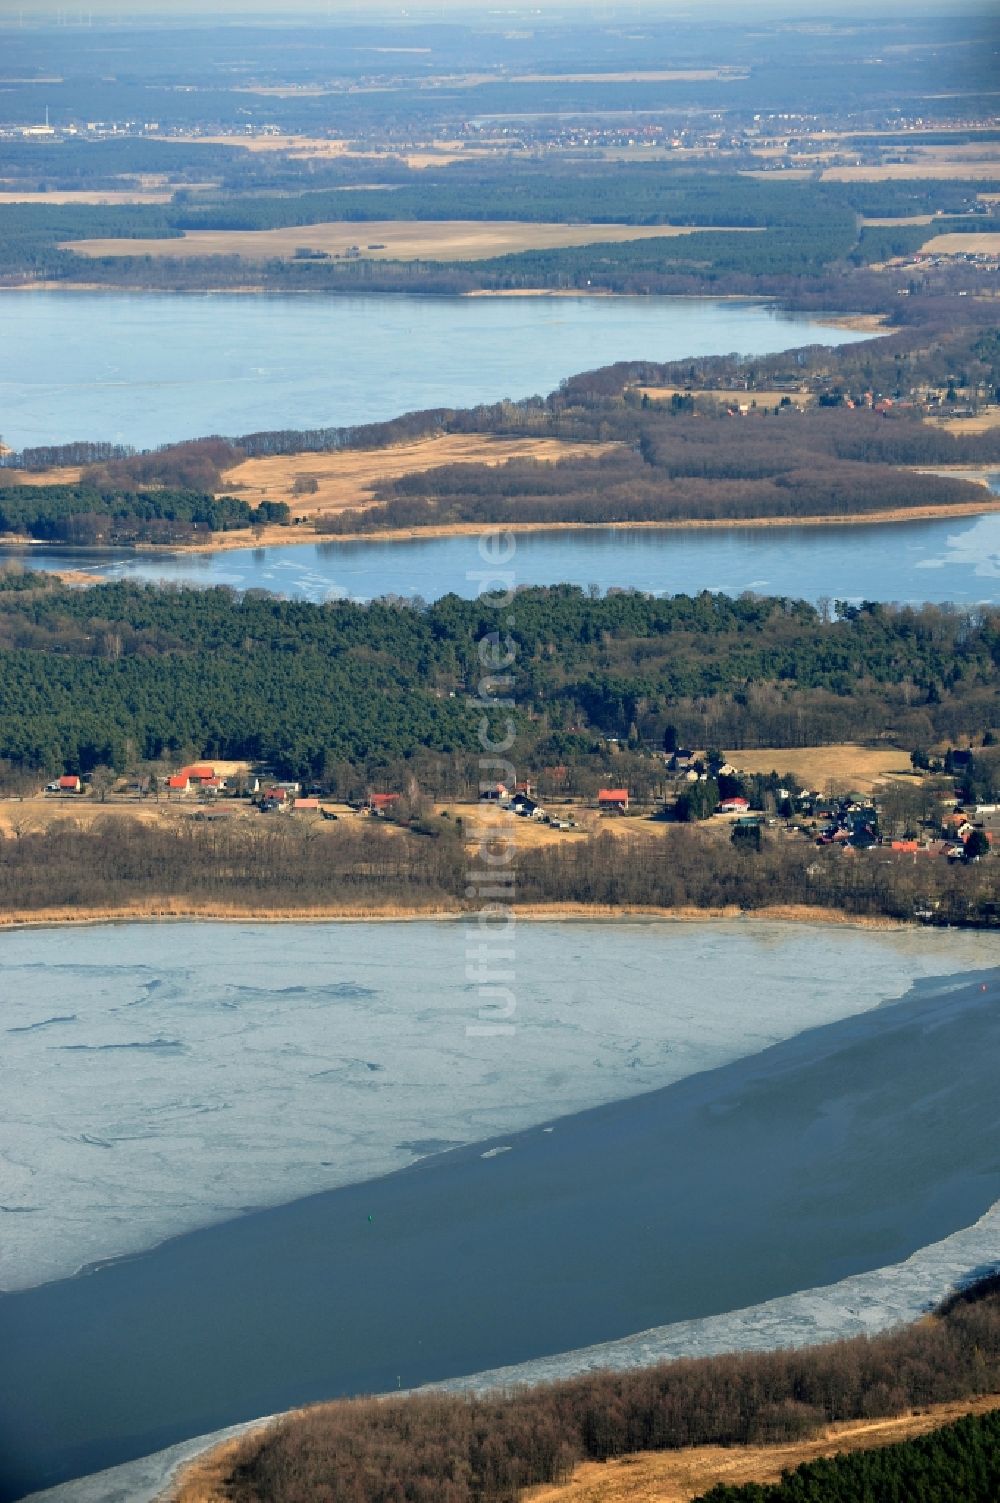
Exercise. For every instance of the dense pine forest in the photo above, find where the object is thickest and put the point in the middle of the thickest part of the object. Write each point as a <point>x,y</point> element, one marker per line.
<point>87,514</point>
<point>490,1449</point>
<point>960,1462</point>
<point>349,693</point>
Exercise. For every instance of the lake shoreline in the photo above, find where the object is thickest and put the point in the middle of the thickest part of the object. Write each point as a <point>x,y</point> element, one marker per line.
<point>277,536</point>
<point>171,911</point>
<point>876,323</point>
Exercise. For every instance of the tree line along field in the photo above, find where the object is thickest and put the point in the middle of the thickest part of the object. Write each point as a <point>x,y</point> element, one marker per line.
<point>439,1448</point>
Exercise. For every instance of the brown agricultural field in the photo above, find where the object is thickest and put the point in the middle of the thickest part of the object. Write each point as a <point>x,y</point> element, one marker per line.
<point>988,418</point>
<point>488,821</point>
<point>326,146</point>
<point>62,475</point>
<point>302,148</point>
<point>98,195</point>
<point>891,222</point>
<point>761,398</point>
<point>907,171</point>
<point>380,240</point>
<point>347,478</point>
<point>961,244</point>
<point>855,768</point>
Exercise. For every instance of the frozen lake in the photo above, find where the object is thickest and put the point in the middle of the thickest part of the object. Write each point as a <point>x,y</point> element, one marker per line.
<point>147,368</point>
<point>172,1076</point>
<point>768,1159</point>
<point>954,560</point>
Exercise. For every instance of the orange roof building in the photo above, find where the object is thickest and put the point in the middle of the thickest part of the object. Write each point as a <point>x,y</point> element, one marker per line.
<point>616,798</point>
<point>384,800</point>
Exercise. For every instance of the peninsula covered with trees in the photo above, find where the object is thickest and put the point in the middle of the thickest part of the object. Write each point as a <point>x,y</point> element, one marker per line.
<point>451,1448</point>
<point>863,431</point>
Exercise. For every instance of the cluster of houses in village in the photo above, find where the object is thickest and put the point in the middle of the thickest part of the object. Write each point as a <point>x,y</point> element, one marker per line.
<point>850,823</point>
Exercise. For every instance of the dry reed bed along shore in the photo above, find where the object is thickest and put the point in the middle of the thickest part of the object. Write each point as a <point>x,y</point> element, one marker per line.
<point>167,910</point>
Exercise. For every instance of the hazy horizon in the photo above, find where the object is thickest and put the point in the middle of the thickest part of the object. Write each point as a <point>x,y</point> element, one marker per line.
<point>81,12</point>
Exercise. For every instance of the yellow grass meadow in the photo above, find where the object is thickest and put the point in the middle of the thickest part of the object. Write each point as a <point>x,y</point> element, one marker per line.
<point>963,245</point>
<point>346,478</point>
<point>986,171</point>
<point>854,768</point>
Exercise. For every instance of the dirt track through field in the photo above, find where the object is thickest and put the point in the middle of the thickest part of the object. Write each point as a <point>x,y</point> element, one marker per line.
<point>679,1476</point>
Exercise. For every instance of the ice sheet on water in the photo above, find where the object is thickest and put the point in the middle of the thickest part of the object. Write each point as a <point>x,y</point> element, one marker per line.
<point>160,1078</point>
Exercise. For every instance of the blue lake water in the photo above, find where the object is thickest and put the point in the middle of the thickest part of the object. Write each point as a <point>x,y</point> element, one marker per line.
<point>942,560</point>
<point>144,369</point>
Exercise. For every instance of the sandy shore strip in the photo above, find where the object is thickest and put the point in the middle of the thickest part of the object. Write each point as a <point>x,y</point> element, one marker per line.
<point>283,537</point>
<point>180,910</point>
<point>976,474</point>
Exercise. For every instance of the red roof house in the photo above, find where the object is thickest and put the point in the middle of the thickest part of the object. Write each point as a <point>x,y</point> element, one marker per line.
<point>306,805</point>
<point>178,782</point>
<point>200,774</point>
<point>612,798</point>
<point>69,783</point>
<point>735,805</point>
<point>381,802</point>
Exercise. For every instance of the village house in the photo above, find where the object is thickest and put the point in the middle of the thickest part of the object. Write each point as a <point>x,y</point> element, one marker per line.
<point>68,783</point>
<point>178,784</point>
<point>381,803</point>
<point>496,793</point>
<point>735,805</point>
<point>613,800</point>
<point>199,774</point>
<point>305,806</point>
<point>956,826</point>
